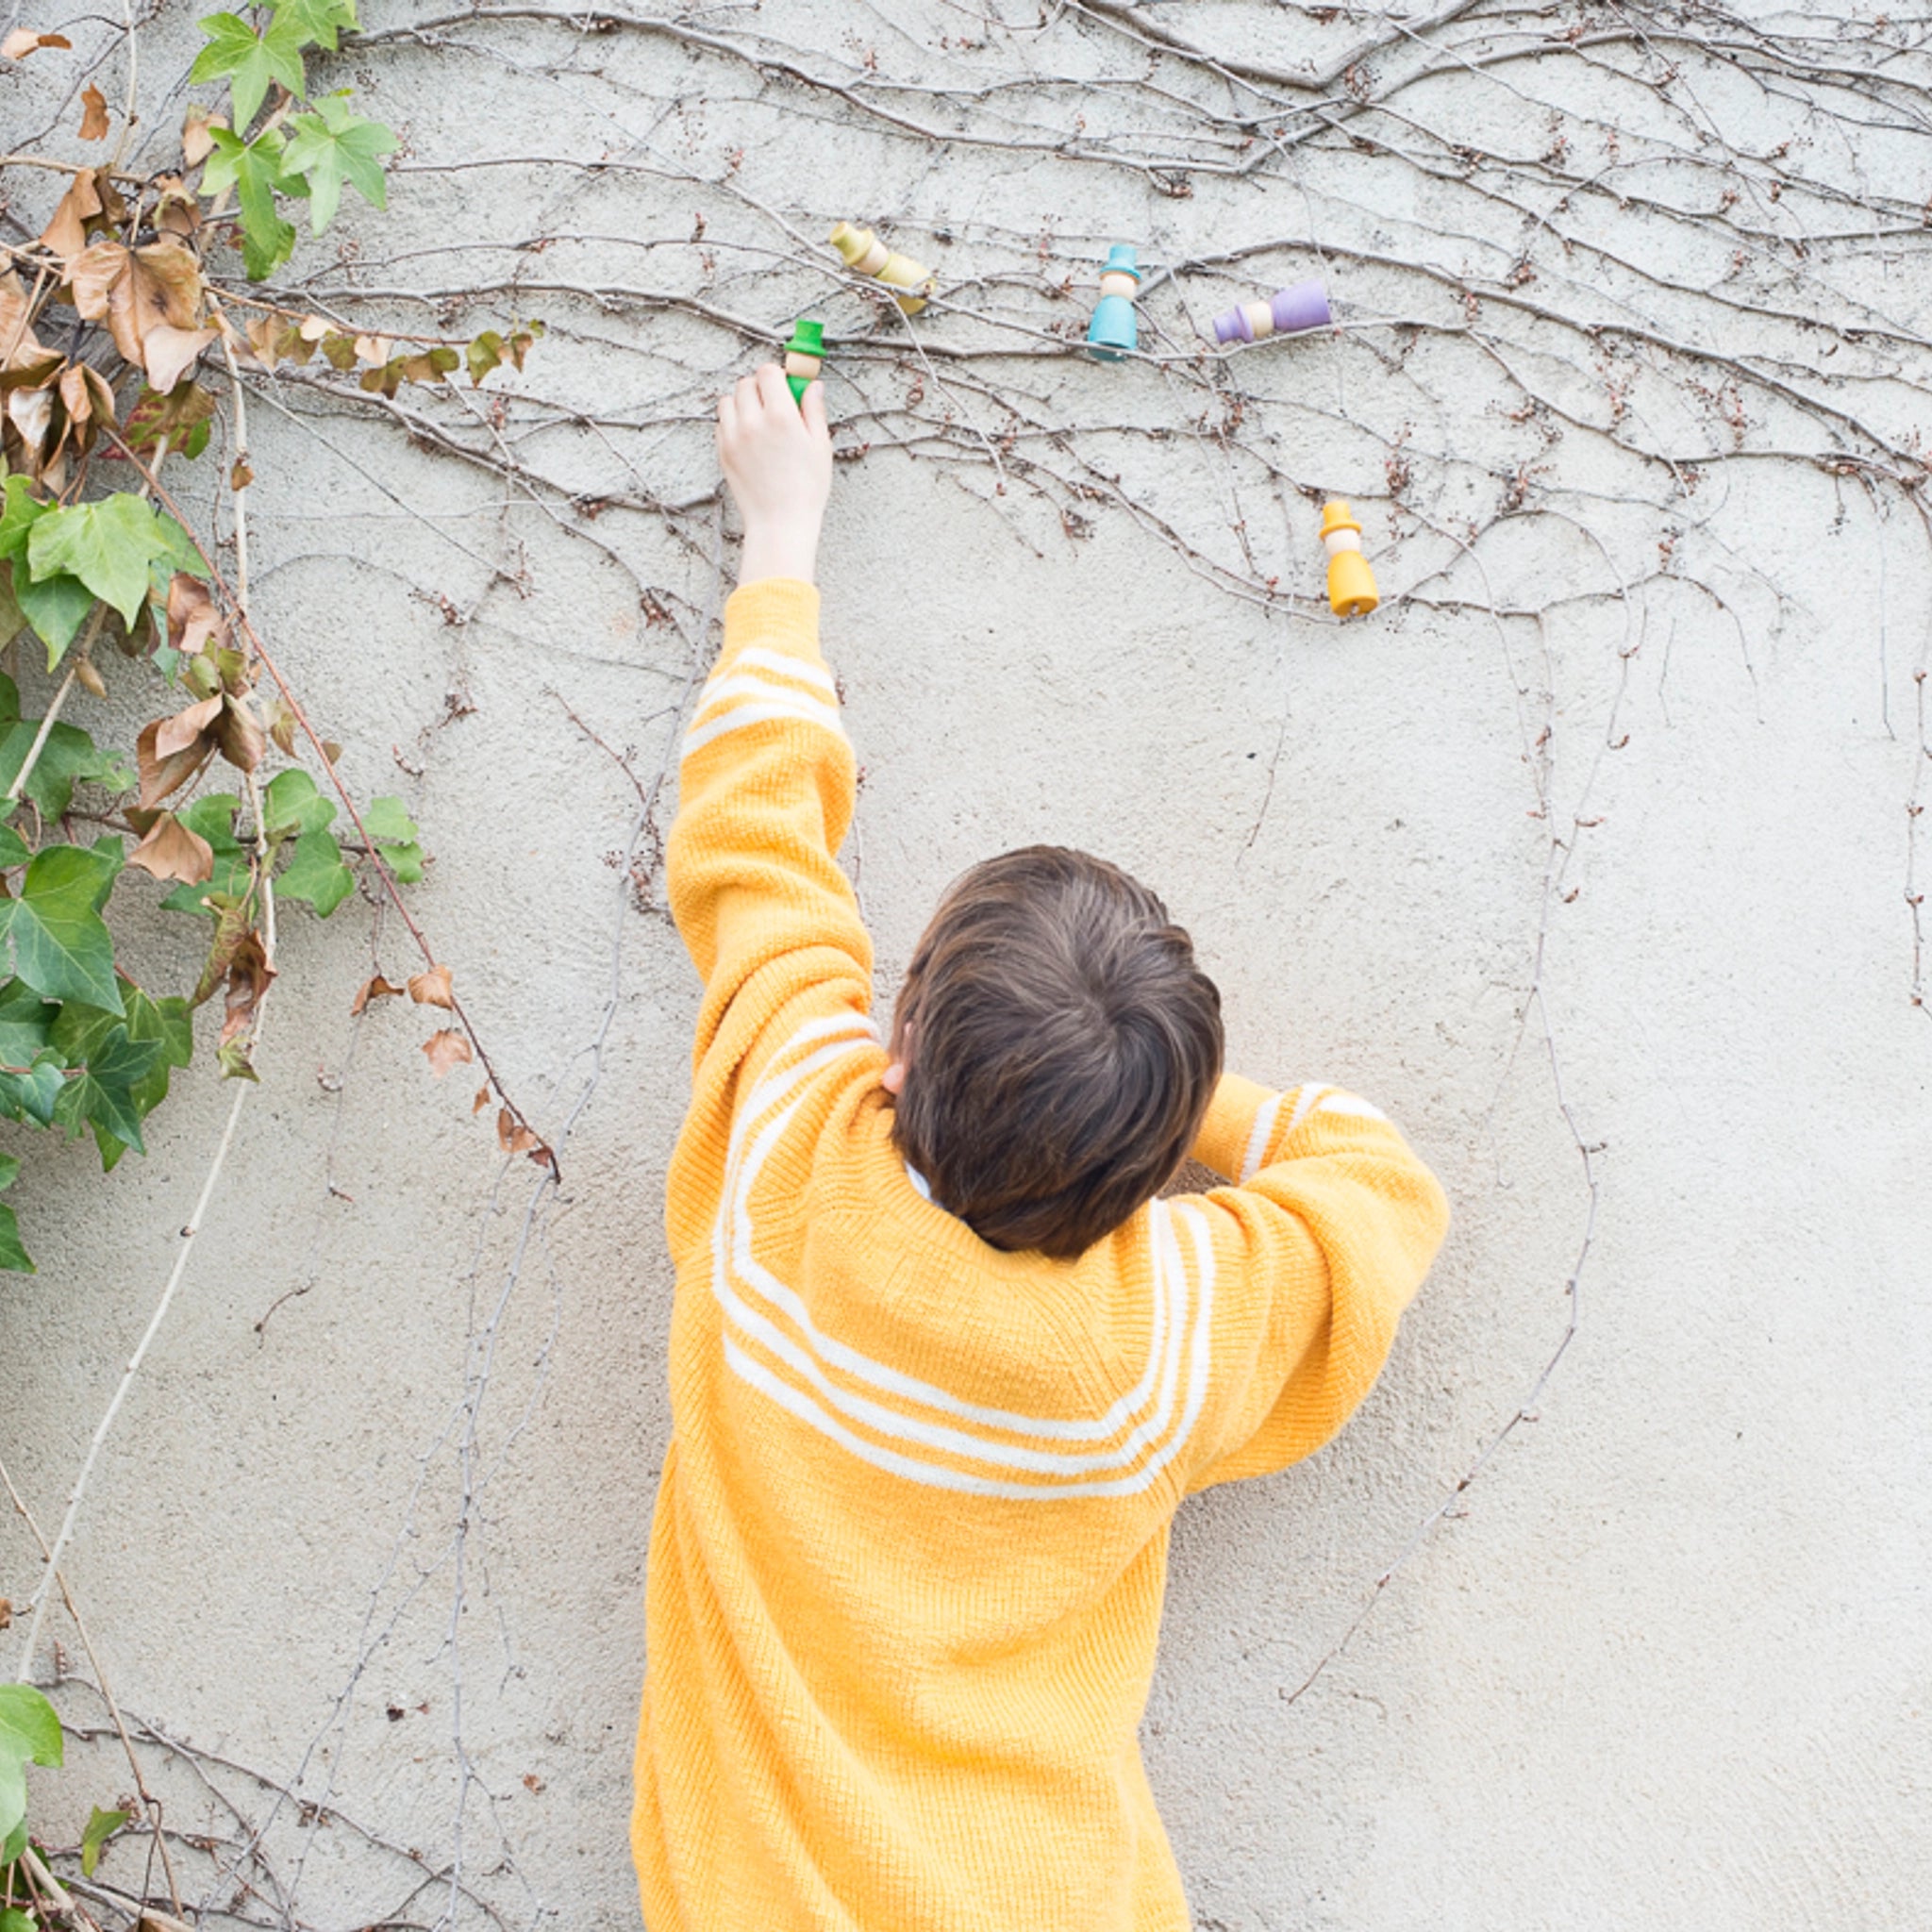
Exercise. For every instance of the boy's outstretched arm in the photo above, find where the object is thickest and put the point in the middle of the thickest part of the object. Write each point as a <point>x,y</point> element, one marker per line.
<point>1329,1226</point>
<point>767,778</point>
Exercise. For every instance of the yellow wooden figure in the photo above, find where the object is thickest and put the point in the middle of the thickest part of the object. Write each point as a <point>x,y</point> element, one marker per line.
<point>1350,582</point>
<point>864,253</point>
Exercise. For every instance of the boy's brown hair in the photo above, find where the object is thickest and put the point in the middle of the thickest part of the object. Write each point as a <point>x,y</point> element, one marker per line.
<point>1063,1048</point>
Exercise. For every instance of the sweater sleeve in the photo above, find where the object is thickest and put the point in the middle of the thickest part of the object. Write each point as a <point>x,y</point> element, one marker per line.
<point>1333,1222</point>
<point>767,788</point>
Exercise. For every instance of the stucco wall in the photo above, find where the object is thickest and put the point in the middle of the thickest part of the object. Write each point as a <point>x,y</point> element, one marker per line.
<point>1588,857</point>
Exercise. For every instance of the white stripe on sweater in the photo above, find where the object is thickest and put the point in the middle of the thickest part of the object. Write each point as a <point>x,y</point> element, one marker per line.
<point>801,708</point>
<point>731,1244</point>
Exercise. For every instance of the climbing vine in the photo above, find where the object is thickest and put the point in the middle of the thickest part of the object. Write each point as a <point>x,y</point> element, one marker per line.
<point>123,329</point>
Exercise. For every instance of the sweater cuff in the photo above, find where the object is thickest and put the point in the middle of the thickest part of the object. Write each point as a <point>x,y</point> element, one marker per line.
<point>1222,1142</point>
<point>780,613</point>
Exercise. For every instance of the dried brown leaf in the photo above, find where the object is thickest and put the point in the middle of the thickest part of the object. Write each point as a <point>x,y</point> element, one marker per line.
<point>511,1135</point>
<point>238,734</point>
<point>249,976</point>
<point>6,1613</point>
<point>18,347</point>
<point>171,851</point>
<point>432,989</point>
<point>198,142</point>
<point>184,727</point>
<point>193,618</point>
<point>164,774</point>
<point>177,210</point>
<point>241,475</point>
<point>445,1050</point>
<point>476,1105</point>
<point>66,234</point>
<point>135,290</point>
<point>93,114</point>
<point>376,989</point>
<point>90,680</point>
<point>168,353</point>
<point>23,40</point>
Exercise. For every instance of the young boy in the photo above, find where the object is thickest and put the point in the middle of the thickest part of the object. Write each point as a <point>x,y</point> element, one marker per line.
<point>942,1363</point>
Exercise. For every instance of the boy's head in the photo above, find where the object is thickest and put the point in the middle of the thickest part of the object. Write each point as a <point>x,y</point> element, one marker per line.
<point>1054,1049</point>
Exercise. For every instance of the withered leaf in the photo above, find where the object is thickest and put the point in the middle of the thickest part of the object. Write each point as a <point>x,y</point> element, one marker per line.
<point>66,234</point>
<point>90,680</point>
<point>238,734</point>
<point>19,348</point>
<point>241,475</point>
<point>171,851</point>
<point>445,1050</point>
<point>482,1099</point>
<point>193,618</point>
<point>6,1613</point>
<point>249,975</point>
<point>93,114</point>
<point>376,989</point>
<point>184,727</point>
<point>137,289</point>
<point>161,775</point>
<point>432,989</point>
<point>511,1136</point>
<point>198,142</point>
<point>177,210</point>
<point>23,40</point>
<point>168,353</point>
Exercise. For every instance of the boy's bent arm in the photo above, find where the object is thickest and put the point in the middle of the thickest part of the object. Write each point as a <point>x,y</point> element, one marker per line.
<point>1335,1223</point>
<point>766,794</point>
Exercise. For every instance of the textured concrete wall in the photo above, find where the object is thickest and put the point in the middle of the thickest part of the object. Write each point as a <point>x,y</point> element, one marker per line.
<point>1588,857</point>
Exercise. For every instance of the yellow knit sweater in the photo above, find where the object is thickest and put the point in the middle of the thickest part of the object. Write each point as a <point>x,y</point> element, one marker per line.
<point>906,1562</point>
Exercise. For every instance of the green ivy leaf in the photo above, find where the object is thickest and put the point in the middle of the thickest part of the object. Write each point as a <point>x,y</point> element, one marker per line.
<point>396,837</point>
<point>101,1095</point>
<point>250,60</point>
<point>318,21</point>
<point>333,146</point>
<point>28,1726</point>
<point>13,849</point>
<point>30,1733</point>
<point>9,1171</point>
<point>57,606</point>
<point>100,1828</point>
<point>14,1259</point>
<point>27,1025</point>
<point>253,169</point>
<point>62,946</point>
<point>33,1095</point>
<point>108,545</point>
<point>317,874</point>
<point>291,803</point>
<point>387,824</point>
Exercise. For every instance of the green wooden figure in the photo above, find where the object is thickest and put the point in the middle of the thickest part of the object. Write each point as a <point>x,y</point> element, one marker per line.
<point>803,354</point>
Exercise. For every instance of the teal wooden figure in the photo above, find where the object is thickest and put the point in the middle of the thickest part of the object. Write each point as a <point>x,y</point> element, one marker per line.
<point>803,354</point>
<point>1114,331</point>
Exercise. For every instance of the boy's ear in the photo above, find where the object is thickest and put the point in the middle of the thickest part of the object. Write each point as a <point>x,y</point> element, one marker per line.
<point>894,1078</point>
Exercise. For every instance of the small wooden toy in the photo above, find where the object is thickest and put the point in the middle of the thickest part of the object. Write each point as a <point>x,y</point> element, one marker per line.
<point>803,354</point>
<point>1286,312</point>
<point>1350,582</point>
<point>1115,331</point>
<point>864,253</point>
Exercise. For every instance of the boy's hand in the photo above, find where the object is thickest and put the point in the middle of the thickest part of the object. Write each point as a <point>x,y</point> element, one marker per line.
<point>777,457</point>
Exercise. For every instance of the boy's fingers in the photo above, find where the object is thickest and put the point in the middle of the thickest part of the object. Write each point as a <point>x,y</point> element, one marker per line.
<point>727,417</point>
<point>773,388</point>
<point>749,405</point>
<point>812,408</point>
